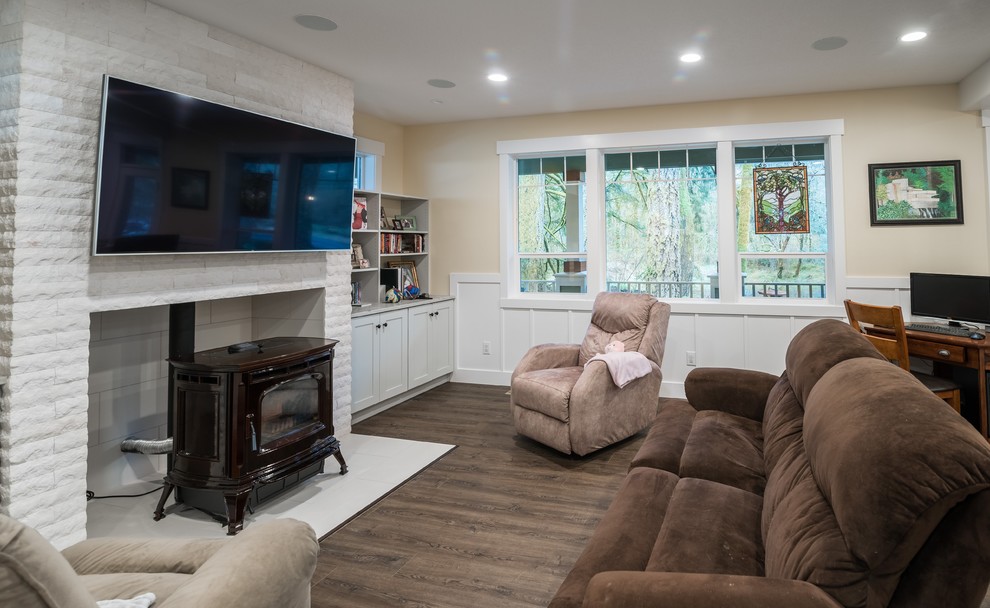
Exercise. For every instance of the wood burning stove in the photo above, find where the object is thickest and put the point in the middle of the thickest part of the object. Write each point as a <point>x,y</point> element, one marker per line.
<point>249,421</point>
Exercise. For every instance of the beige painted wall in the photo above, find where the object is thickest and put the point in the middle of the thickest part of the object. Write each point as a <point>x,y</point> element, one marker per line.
<point>455,165</point>
<point>392,135</point>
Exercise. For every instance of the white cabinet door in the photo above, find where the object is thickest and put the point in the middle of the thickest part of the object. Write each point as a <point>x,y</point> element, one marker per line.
<point>420,362</point>
<point>392,356</point>
<point>364,362</point>
<point>441,339</point>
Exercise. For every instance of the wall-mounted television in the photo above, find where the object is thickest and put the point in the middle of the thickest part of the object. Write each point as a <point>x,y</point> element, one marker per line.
<point>178,174</point>
<point>956,297</point>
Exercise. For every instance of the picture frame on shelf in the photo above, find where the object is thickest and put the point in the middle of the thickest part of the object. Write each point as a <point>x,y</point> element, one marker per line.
<point>383,222</point>
<point>357,254</point>
<point>407,273</point>
<point>916,193</point>
<point>396,224</point>
<point>407,222</point>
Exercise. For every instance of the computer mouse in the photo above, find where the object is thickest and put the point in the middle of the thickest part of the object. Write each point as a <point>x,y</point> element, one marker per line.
<point>977,335</point>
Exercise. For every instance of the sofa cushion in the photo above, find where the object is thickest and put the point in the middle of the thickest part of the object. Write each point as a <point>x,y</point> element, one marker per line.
<point>908,473</point>
<point>816,348</point>
<point>738,459</point>
<point>664,442</point>
<point>783,422</point>
<point>33,574</point>
<point>626,534</point>
<point>616,316</point>
<point>709,528</point>
<point>547,391</point>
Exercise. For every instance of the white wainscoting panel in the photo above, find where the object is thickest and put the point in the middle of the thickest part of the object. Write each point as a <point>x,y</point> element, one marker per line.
<point>766,343</point>
<point>550,327</point>
<point>743,336</point>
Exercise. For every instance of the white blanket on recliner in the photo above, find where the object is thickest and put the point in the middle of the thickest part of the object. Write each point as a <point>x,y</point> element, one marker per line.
<point>624,366</point>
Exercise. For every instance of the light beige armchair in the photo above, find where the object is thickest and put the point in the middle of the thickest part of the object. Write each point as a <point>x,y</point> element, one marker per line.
<point>269,565</point>
<point>559,402</point>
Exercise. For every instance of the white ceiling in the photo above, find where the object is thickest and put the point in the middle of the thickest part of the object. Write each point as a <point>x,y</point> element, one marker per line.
<point>566,55</point>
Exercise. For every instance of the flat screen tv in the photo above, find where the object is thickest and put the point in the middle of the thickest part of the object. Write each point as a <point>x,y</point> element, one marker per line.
<point>178,174</point>
<point>955,297</point>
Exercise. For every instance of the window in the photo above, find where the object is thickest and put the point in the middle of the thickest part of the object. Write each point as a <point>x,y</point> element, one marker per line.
<point>552,236</point>
<point>661,222</point>
<point>732,214</point>
<point>784,256</point>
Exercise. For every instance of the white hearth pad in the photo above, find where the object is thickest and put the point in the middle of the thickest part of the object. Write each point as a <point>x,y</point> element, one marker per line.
<point>376,466</point>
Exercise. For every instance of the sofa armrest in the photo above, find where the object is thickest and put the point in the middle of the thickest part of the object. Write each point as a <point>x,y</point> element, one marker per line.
<point>268,564</point>
<point>548,356</point>
<point>113,555</point>
<point>741,392</point>
<point>682,590</point>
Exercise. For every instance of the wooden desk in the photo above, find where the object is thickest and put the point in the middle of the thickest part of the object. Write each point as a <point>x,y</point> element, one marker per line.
<point>953,350</point>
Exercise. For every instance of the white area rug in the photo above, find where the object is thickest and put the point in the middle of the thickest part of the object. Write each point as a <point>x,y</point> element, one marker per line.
<point>376,466</point>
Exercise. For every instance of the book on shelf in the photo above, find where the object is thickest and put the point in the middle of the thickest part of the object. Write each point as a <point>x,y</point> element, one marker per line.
<point>401,243</point>
<point>360,211</point>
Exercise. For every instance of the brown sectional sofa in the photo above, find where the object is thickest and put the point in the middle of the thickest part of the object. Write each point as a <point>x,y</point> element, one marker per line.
<point>842,482</point>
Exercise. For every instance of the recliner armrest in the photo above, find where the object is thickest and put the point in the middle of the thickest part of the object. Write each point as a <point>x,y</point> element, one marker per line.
<point>682,590</point>
<point>113,555</point>
<point>268,564</point>
<point>741,392</point>
<point>548,356</point>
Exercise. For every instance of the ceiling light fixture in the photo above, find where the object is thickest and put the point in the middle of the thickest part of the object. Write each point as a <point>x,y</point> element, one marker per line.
<point>829,44</point>
<point>690,57</point>
<point>913,36</point>
<point>497,77</point>
<point>315,22</point>
<point>440,83</point>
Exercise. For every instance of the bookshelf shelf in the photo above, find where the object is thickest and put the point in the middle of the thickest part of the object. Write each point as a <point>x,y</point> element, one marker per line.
<point>379,241</point>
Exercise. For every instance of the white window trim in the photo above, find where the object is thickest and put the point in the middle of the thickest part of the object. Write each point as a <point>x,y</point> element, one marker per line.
<point>724,138</point>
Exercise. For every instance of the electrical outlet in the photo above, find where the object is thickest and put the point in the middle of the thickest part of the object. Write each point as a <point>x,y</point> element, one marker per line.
<point>486,348</point>
<point>690,358</point>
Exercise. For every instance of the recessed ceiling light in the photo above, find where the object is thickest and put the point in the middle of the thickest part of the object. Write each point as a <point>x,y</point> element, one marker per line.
<point>314,22</point>
<point>497,77</point>
<point>829,44</point>
<point>436,101</point>
<point>913,36</point>
<point>690,57</point>
<point>440,83</point>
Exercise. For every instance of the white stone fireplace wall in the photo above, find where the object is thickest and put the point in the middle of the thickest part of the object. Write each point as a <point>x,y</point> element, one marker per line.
<point>53,55</point>
<point>128,376</point>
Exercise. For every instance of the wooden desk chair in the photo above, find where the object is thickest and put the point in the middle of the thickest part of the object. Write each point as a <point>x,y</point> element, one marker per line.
<point>895,347</point>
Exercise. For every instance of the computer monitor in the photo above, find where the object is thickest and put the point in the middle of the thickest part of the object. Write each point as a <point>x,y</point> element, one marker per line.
<point>955,297</point>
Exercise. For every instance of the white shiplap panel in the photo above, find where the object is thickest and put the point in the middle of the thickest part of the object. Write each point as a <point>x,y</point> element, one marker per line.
<point>680,340</point>
<point>579,321</point>
<point>478,302</point>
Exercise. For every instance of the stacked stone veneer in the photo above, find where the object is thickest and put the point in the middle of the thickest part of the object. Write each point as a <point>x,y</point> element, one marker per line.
<point>53,55</point>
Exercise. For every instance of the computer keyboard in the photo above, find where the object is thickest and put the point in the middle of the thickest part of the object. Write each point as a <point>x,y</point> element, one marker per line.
<point>935,328</point>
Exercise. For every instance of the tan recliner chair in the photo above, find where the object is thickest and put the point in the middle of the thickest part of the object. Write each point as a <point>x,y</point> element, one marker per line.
<point>558,401</point>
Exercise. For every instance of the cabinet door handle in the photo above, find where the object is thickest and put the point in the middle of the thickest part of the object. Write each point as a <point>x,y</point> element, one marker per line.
<point>379,326</point>
<point>943,353</point>
<point>384,324</point>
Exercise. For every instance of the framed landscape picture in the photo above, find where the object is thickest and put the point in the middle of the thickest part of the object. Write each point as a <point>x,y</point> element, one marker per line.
<point>920,193</point>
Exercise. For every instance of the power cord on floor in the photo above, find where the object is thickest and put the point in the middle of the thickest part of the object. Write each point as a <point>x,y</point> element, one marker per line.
<point>91,496</point>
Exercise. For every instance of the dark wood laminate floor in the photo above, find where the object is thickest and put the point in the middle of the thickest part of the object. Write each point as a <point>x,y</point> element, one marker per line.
<point>497,522</point>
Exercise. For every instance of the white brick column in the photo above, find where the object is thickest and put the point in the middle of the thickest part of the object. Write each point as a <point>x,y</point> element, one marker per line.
<point>58,53</point>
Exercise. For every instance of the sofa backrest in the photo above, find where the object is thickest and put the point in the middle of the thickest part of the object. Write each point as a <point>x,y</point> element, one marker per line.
<point>860,479</point>
<point>819,346</point>
<point>33,574</point>
<point>638,320</point>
